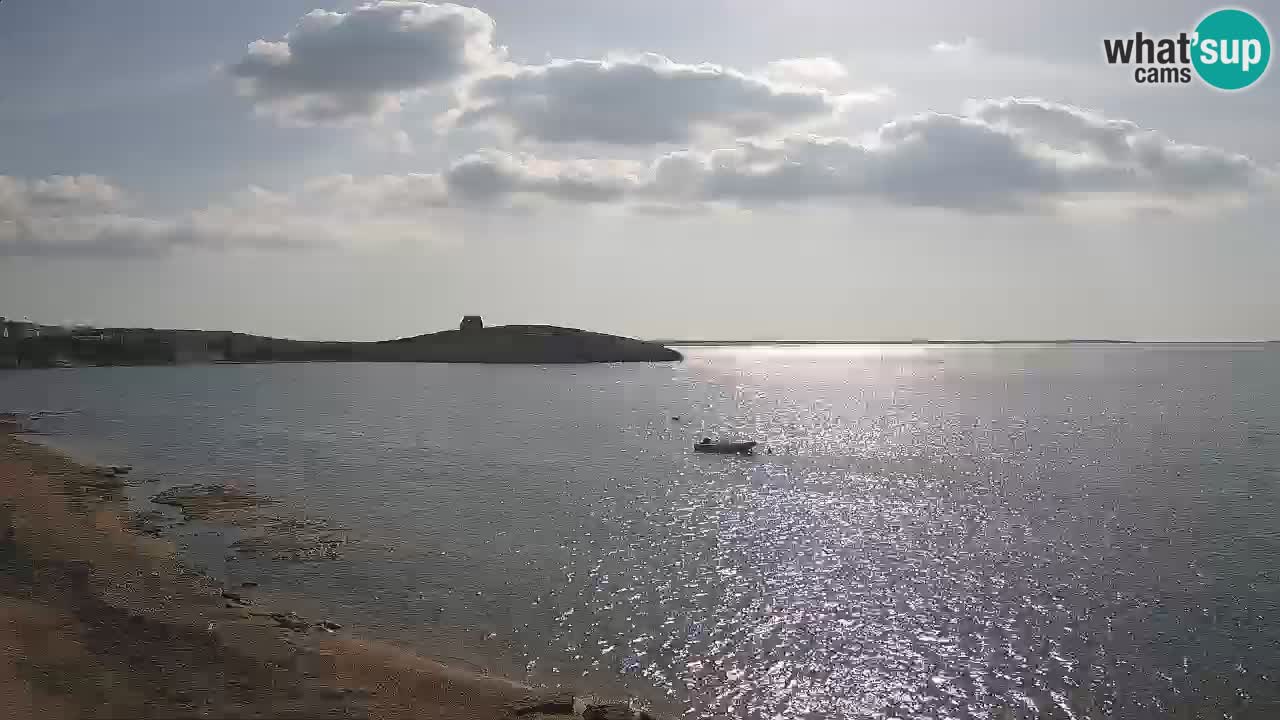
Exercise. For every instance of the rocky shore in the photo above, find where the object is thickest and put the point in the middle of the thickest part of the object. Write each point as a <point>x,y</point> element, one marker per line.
<point>102,621</point>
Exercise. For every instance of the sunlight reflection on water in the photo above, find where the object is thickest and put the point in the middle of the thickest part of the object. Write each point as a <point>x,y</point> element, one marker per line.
<point>1017,532</point>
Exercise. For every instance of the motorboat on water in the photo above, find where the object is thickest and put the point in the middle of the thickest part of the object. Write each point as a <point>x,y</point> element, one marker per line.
<point>724,447</point>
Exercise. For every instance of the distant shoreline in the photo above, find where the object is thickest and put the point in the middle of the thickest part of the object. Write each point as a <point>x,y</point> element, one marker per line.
<point>697,343</point>
<point>26,346</point>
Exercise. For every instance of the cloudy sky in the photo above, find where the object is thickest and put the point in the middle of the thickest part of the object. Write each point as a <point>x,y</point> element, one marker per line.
<point>723,168</point>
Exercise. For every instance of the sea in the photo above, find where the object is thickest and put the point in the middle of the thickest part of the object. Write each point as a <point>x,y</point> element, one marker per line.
<point>926,531</point>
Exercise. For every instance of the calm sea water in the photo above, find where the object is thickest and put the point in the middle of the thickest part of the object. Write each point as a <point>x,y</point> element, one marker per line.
<point>976,532</point>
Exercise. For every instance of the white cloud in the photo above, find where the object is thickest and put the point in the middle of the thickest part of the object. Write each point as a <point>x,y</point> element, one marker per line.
<point>58,195</point>
<point>482,179</point>
<point>1012,155</point>
<point>966,46</point>
<point>1097,153</point>
<point>360,67</point>
<point>374,195</point>
<point>640,100</point>
<point>86,215</point>
<point>814,71</point>
<point>929,160</point>
<point>491,176</point>
<point>345,68</point>
<point>999,156</point>
<point>88,235</point>
<point>80,216</point>
<point>73,192</point>
<point>1007,156</point>
<point>62,212</point>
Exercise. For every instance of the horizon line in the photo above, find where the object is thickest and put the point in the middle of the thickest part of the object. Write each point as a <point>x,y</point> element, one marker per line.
<point>923,341</point>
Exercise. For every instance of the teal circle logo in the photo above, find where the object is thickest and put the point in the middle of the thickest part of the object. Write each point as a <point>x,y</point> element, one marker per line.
<point>1232,49</point>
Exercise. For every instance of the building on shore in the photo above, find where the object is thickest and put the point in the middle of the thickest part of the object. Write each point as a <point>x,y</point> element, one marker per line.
<point>19,329</point>
<point>471,322</point>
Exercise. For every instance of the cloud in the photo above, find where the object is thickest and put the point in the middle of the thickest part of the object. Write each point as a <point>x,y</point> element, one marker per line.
<point>998,156</point>
<point>966,46</point>
<point>71,212</point>
<point>126,236</point>
<point>58,195</point>
<point>356,196</point>
<point>1105,154</point>
<point>814,71</point>
<point>83,216</point>
<point>338,68</point>
<point>926,160</point>
<point>97,235</point>
<point>1011,155</point>
<point>640,100</point>
<point>482,179</point>
<point>87,215</point>
<point>73,193</point>
<point>60,212</point>
<point>360,67</point>
<point>492,175</point>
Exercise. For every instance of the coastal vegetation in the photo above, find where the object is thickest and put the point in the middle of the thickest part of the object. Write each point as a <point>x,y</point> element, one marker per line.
<point>472,343</point>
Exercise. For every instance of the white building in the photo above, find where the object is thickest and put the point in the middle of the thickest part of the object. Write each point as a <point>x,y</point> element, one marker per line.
<point>17,329</point>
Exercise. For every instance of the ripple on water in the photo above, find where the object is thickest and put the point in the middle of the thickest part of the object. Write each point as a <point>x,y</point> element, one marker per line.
<point>961,533</point>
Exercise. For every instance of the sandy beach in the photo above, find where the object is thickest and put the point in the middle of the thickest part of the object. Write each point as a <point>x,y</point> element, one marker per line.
<point>100,621</point>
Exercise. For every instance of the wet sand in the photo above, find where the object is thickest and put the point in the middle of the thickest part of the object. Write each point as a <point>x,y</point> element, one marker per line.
<point>99,621</point>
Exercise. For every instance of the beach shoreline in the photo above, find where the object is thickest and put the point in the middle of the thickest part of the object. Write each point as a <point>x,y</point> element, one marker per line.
<point>103,621</point>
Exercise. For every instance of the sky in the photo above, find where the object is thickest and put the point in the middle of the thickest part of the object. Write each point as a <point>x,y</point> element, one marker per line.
<point>728,169</point>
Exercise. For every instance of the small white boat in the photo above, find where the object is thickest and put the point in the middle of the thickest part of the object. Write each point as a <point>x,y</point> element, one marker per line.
<point>724,447</point>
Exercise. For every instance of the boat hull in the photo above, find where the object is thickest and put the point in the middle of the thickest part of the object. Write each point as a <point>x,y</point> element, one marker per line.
<point>725,448</point>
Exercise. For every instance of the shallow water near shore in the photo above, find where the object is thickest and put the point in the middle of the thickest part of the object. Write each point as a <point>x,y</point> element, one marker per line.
<point>1021,531</point>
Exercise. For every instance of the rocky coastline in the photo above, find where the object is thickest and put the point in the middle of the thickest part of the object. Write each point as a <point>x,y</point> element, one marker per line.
<point>102,620</point>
